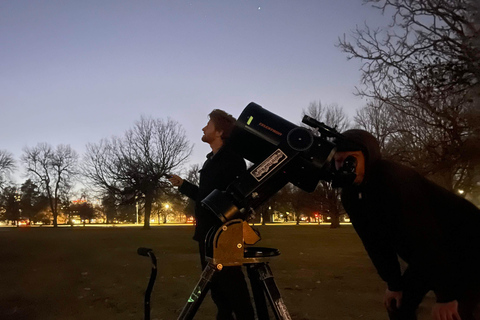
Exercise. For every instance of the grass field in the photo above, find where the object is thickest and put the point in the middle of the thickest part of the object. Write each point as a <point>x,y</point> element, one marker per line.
<point>95,273</point>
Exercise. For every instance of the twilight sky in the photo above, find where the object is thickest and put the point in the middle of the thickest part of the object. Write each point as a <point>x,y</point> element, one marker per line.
<point>74,72</point>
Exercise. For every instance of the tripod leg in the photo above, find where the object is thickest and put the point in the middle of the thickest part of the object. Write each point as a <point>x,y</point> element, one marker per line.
<point>198,293</point>
<point>279,308</point>
<point>258,292</point>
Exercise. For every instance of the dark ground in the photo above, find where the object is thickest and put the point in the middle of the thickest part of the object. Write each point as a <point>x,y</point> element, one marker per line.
<point>95,273</point>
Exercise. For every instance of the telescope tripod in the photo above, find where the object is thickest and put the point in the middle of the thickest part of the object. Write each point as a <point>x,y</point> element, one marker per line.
<point>228,250</point>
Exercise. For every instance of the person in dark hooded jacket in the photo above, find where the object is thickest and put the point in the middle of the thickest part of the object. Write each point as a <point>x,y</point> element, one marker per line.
<point>398,213</point>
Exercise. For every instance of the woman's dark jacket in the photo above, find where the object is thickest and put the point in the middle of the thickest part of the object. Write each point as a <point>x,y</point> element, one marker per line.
<point>395,211</point>
<point>218,172</point>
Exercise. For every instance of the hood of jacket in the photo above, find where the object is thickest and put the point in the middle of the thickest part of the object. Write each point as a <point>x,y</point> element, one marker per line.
<point>360,140</point>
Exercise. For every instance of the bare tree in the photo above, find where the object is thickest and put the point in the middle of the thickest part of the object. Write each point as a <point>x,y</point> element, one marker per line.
<point>132,167</point>
<point>52,169</point>
<point>193,176</point>
<point>424,70</point>
<point>432,43</point>
<point>282,201</point>
<point>333,116</point>
<point>444,155</point>
<point>7,165</point>
<point>377,119</point>
<point>169,201</point>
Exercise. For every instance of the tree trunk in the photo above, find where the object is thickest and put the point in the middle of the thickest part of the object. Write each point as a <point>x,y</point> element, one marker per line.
<point>52,207</point>
<point>55,205</point>
<point>335,217</point>
<point>148,209</point>
<point>335,221</point>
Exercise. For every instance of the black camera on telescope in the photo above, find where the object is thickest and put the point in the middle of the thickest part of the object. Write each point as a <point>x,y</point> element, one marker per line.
<point>281,152</point>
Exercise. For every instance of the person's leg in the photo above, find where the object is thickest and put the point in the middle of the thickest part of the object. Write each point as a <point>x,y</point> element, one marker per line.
<point>220,297</point>
<point>241,299</point>
<point>230,294</point>
<point>217,290</point>
<point>414,290</point>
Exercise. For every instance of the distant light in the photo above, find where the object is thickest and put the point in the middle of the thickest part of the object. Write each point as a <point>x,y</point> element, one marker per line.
<point>461,191</point>
<point>259,8</point>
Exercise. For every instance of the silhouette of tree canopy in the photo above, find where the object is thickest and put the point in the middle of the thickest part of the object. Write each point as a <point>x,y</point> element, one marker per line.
<point>52,169</point>
<point>193,176</point>
<point>85,210</point>
<point>429,47</point>
<point>325,197</point>
<point>7,165</point>
<point>132,167</point>
<point>10,203</point>
<point>32,202</point>
<point>109,206</point>
<point>423,76</point>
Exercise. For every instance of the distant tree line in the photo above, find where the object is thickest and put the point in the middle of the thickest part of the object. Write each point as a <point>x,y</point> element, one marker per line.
<point>126,172</point>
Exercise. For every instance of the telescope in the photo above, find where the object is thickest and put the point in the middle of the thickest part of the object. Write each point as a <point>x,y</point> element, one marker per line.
<point>281,153</point>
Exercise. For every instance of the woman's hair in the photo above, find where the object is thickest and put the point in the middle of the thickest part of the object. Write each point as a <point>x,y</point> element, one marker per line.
<point>223,122</point>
